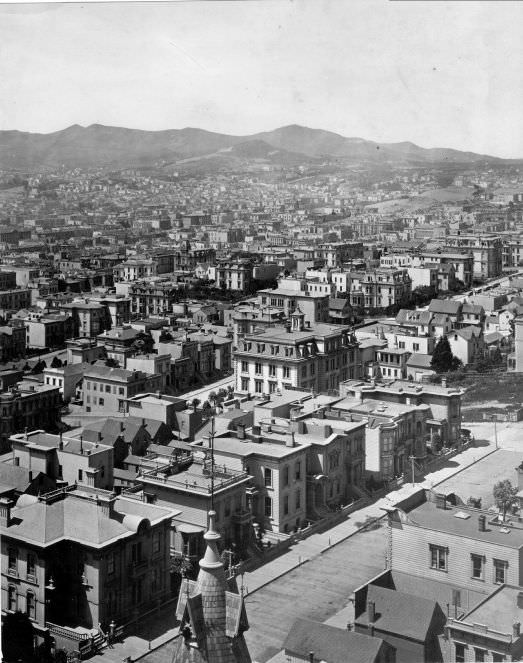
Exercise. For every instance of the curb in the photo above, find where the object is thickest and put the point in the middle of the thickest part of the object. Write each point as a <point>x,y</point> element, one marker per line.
<point>280,575</point>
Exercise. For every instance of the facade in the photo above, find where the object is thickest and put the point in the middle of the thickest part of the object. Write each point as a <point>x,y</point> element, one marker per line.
<point>64,459</point>
<point>28,405</point>
<point>79,557</point>
<point>318,357</point>
<point>487,252</point>
<point>89,317</point>
<point>385,287</point>
<point>106,390</point>
<point>234,275</point>
<point>12,343</point>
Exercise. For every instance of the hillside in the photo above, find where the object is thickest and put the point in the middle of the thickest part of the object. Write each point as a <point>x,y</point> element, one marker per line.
<point>99,145</point>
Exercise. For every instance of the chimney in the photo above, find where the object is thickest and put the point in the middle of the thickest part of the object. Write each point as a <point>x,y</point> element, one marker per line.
<point>16,461</point>
<point>482,520</point>
<point>30,475</point>
<point>519,600</point>
<point>99,436</point>
<point>441,501</point>
<point>289,440</point>
<point>516,630</point>
<point>444,382</point>
<point>122,426</point>
<point>5,511</point>
<point>371,612</point>
<point>327,431</point>
<point>311,657</point>
<point>240,431</point>
<point>82,444</point>
<point>158,394</point>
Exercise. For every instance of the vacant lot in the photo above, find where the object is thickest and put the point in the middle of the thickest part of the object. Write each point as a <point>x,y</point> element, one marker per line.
<point>505,388</point>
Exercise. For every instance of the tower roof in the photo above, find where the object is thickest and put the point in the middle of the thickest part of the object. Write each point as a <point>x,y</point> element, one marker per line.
<point>211,612</point>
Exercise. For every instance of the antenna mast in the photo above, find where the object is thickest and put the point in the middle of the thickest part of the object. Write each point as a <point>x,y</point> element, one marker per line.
<point>212,463</point>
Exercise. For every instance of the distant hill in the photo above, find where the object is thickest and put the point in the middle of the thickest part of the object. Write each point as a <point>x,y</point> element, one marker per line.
<point>103,146</point>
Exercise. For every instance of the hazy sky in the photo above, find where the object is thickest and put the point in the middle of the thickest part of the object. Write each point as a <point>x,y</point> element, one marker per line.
<point>447,74</point>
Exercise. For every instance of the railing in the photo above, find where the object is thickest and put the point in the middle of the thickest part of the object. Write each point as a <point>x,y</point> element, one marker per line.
<point>65,632</point>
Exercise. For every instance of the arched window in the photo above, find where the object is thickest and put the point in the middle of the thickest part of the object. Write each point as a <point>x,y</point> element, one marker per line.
<point>30,605</point>
<point>12,601</point>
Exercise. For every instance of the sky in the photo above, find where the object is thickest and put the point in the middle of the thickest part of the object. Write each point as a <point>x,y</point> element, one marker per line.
<point>437,73</point>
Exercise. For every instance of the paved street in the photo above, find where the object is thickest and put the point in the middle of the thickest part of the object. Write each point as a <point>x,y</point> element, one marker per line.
<point>317,590</point>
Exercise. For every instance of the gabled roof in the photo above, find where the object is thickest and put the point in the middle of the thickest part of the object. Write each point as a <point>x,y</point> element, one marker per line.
<point>338,304</point>
<point>398,613</point>
<point>419,360</point>
<point>330,644</point>
<point>467,332</point>
<point>113,428</point>
<point>448,306</point>
<point>474,309</point>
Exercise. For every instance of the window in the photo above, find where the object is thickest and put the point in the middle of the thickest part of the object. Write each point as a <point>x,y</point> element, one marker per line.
<point>268,476</point>
<point>286,372</point>
<point>268,507</point>
<point>286,505</point>
<point>298,500</point>
<point>245,384</point>
<point>31,565</point>
<point>110,563</point>
<point>477,566</point>
<point>258,386</point>
<point>121,391</point>
<point>258,368</point>
<point>286,475</point>
<point>272,371</point>
<point>156,542</point>
<point>30,605</point>
<point>12,599</point>
<point>500,571</point>
<point>416,347</point>
<point>12,561</point>
<point>438,558</point>
<point>101,401</point>
<point>297,471</point>
<point>80,475</point>
<point>497,658</point>
<point>479,655</point>
<point>245,366</point>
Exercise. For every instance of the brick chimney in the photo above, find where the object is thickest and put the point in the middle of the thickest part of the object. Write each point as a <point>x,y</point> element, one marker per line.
<point>371,612</point>
<point>5,511</point>
<point>516,630</point>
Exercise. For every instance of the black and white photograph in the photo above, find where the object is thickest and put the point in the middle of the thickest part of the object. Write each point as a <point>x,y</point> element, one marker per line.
<point>261,331</point>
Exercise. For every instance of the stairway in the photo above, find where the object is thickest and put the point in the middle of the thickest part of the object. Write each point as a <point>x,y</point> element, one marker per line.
<point>99,641</point>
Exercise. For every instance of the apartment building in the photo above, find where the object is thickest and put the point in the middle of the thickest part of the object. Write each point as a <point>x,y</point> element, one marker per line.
<point>81,556</point>
<point>64,459</point>
<point>28,404</point>
<point>292,294</point>
<point>444,402</point>
<point>90,318</point>
<point>106,390</point>
<point>394,432</point>
<point>316,357</point>
<point>486,250</point>
<point>462,263</point>
<point>184,484</point>
<point>12,343</point>
<point>135,268</point>
<point>48,331</point>
<point>15,299</point>
<point>234,275</point>
<point>384,287</point>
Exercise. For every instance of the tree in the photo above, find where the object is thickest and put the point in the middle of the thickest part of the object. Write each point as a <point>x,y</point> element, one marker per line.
<point>165,336</point>
<point>505,495</point>
<point>213,397</point>
<point>443,360</point>
<point>57,362</point>
<point>195,403</point>
<point>38,367</point>
<point>111,362</point>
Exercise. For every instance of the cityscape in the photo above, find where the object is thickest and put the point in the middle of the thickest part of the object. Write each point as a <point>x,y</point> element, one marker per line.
<point>260,381</point>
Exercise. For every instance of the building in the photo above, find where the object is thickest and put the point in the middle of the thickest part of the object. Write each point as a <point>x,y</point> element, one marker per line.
<point>312,642</point>
<point>463,264</point>
<point>107,390</point>
<point>317,357</point>
<point>78,557</point>
<point>292,294</point>
<point>48,331</point>
<point>67,378</point>
<point>64,459</point>
<point>467,344</point>
<point>486,250</point>
<point>185,484</point>
<point>28,405</point>
<point>438,538</point>
<point>491,631</point>
<point>12,342</point>
<point>90,318</point>
<point>234,275</point>
<point>444,402</point>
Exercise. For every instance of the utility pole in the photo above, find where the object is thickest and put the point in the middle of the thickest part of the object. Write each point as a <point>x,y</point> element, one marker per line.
<point>412,459</point>
<point>495,420</point>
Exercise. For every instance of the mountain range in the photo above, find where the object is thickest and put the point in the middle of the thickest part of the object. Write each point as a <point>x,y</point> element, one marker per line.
<point>116,147</point>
